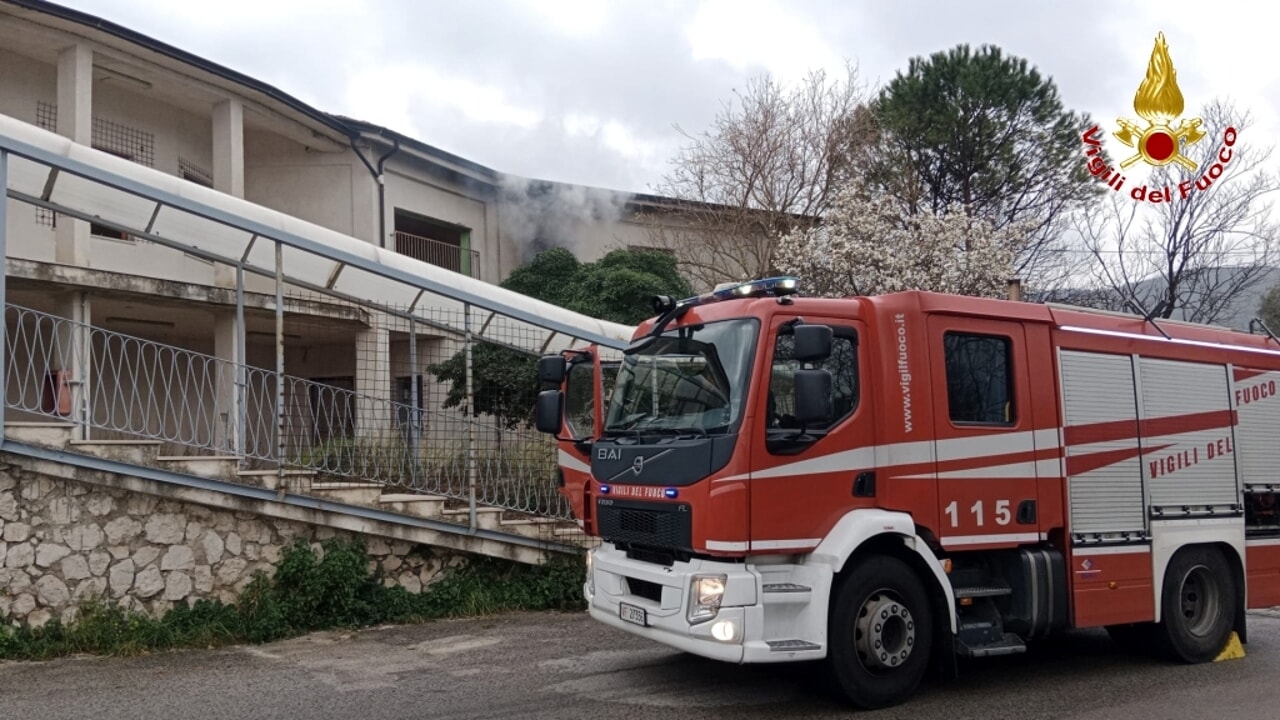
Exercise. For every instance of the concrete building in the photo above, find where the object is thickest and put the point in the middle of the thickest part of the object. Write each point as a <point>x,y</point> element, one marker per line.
<point>109,87</point>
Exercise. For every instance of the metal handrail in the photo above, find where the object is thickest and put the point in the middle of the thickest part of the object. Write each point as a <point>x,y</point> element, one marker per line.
<point>126,387</point>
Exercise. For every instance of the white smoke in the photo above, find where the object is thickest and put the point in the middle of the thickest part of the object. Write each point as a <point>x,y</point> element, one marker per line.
<point>537,215</point>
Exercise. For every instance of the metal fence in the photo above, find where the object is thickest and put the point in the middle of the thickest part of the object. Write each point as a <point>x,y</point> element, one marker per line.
<point>441,254</point>
<point>117,386</point>
<point>232,329</point>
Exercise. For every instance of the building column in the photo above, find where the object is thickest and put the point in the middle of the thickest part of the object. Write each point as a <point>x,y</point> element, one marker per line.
<point>75,121</point>
<point>228,166</point>
<point>227,400</point>
<point>373,383</point>
<point>228,177</point>
<point>71,246</point>
<point>71,362</point>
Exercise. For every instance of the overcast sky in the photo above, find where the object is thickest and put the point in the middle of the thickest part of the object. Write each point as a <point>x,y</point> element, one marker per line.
<point>589,92</point>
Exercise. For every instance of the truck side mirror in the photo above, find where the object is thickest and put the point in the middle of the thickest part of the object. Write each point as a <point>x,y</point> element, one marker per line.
<point>548,413</point>
<point>813,343</point>
<point>551,369</point>
<point>814,396</point>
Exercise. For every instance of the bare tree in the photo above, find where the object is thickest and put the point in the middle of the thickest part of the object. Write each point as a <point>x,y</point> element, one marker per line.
<point>770,162</point>
<point>1193,256</point>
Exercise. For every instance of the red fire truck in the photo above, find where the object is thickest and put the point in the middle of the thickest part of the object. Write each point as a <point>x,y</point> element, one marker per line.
<point>888,483</point>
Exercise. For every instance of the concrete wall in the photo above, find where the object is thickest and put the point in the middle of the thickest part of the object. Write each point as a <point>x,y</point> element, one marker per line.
<point>408,188</point>
<point>333,190</point>
<point>23,83</point>
<point>64,542</point>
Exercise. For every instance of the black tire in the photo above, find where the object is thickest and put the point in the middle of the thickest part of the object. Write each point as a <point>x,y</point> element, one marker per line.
<point>869,606</point>
<point>1197,605</point>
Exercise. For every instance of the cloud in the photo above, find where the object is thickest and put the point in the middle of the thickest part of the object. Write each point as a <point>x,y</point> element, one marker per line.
<point>760,35</point>
<point>590,92</point>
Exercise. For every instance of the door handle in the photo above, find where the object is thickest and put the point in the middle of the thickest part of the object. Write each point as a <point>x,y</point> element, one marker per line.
<point>1027,512</point>
<point>864,485</point>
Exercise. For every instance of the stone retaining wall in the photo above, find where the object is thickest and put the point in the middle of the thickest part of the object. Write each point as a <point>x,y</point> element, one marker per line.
<point>64,541</point>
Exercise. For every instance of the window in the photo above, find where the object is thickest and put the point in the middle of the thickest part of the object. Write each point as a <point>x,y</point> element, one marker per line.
<point>580,397</point>
<point>121,140</point>
<point>192,172</point>
<point>332,406</point>
<point>103,230</point>
<point>434,241</point>
<point>690,379</point>
<point>843,365</point>
<point>979,378</point>
<point>408,415</point>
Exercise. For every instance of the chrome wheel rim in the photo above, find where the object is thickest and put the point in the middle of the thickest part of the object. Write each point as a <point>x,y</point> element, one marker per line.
<point>885,633</point>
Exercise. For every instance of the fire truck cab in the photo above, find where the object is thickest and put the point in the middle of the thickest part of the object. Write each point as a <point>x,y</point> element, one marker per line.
<point>886,483</point>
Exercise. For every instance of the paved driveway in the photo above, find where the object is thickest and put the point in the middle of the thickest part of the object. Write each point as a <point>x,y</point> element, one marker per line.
<point>566,666</point>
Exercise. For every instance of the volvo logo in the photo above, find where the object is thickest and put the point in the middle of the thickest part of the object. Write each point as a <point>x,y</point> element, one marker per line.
<point>637,465</point>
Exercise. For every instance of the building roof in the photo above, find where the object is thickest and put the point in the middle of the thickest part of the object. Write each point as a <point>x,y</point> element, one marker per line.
<point>349,128</point>
<point>150,43</point>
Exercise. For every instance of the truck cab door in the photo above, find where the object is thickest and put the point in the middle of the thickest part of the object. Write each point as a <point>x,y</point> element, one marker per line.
<point>587,384</point>
<point>986,443</point>
<point>803,483</point>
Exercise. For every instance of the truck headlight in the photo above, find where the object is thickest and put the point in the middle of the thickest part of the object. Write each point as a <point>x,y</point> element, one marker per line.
<point>705,594</point>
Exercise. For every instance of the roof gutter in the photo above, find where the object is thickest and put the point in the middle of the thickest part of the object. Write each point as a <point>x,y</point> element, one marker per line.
<point>382,191</point>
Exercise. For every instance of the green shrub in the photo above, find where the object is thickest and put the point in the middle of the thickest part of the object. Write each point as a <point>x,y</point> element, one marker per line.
<point>305,594</point>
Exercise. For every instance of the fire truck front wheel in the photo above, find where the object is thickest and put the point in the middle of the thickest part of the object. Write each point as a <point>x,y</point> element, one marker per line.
<point>1197,604</point>
<point>880,633</point>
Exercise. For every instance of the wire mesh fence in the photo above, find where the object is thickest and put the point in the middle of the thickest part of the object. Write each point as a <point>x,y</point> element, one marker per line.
<point>392,400</point>
<point>228,328</point>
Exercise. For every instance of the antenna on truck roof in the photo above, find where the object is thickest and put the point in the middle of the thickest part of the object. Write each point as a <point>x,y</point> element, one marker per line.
<point>1150,315</point>
<point>1258,321</point>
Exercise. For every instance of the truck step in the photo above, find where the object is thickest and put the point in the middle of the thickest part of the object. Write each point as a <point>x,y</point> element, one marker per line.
<point>786,588</point>
<point>792,645</point>
<point>987,589</point>
<point>1010,644</point>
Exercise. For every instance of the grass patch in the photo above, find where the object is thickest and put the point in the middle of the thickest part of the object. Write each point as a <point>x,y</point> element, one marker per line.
<point>305,593</point>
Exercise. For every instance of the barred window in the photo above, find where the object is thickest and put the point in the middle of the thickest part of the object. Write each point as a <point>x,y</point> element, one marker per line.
<point>119,140</point>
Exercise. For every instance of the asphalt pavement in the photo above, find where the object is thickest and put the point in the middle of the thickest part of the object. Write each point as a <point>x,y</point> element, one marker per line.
<point>563,666</point>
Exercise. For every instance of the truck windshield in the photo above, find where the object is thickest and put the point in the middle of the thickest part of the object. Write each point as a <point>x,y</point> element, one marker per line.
<point>691,379</point>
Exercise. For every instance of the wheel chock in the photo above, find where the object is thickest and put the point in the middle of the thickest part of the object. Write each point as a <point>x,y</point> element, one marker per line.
<point>1233,651</point>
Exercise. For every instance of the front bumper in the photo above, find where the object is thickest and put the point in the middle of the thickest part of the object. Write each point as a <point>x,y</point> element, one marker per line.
<point>666,617</point>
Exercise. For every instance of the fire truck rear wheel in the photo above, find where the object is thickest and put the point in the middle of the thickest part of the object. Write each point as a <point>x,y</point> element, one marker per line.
<point>1198,604</point>
<point>881,633</point>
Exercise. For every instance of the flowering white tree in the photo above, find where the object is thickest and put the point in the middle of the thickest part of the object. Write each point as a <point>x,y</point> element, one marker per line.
<point>867,245</point>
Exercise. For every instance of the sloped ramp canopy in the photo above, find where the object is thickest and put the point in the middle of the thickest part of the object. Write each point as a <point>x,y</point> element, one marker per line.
<point>50,171</point>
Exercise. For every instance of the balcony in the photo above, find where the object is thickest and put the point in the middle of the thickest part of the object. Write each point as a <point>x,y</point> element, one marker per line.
<point>441,254</point>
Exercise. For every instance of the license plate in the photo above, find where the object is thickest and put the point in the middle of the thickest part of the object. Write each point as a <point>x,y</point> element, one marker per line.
<point>631,613</point>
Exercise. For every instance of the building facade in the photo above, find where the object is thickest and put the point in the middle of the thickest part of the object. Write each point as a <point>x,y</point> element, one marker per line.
<point>120,92</point>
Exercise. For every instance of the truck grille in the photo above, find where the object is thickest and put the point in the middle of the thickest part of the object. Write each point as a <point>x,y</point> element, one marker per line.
<point>650,524</point>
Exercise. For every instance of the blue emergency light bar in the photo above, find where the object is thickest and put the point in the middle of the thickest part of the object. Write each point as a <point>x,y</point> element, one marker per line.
<point>775,286</point>
<point>669,309</point>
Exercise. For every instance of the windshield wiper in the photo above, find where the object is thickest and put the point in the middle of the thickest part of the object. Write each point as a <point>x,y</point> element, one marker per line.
<point>629,426</point>
<point>689,430</point>
<point>659,325</point>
